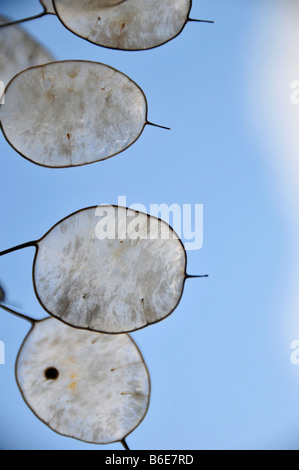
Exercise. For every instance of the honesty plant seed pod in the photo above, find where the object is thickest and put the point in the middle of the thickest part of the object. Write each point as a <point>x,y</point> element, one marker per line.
<point>109,269</point>
<point>127,25</point>
<point>72,113</point>
<point>89,386</point>
<point>131,25</point>
<point>111,285</point>
<point>19,51</point>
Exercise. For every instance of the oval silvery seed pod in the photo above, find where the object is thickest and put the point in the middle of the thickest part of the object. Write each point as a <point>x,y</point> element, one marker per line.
<point>89,386</point>
<point>19,51</point>
<point>72,113</point>
<point>109,269</point>
<point>127,25</point>
<point>130,25</point>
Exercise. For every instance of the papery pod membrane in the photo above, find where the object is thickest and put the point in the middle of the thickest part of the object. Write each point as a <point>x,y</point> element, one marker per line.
<point>88,386</point>
<point>72,113</point>
<point>126,25</point>
<point>122,283</point>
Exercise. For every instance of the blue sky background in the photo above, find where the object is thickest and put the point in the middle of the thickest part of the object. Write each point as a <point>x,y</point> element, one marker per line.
<point>220,365</point>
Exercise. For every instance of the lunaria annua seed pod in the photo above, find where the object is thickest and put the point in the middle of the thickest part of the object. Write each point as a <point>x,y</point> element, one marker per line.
<point>72,113</point>
<point>109,269</point>
<point>89,386</point>
<point>127,25</point>
<point>131,25</point>
<point>19,51</point>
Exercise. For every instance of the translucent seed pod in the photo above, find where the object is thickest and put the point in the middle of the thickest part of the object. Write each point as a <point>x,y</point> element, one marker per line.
<point>19,51</point>
<point>109,269</point>
<point>117,284</point>
<point>89,386</point>
<point>84,385</point>
<point>72,113</point>
<point>127,25</point>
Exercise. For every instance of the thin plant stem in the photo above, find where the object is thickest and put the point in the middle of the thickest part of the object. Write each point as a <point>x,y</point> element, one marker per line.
<point>17,314</point>
<point>200,21</point>
<point>157,125</point>
<point>24,20</point>
<point>19,247</point>
<point>124,443</point>
<point>188,276</point>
